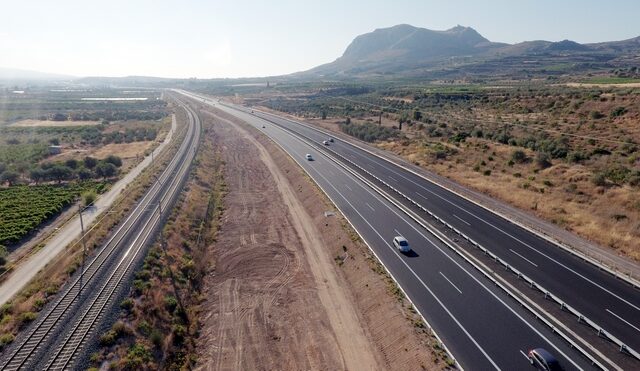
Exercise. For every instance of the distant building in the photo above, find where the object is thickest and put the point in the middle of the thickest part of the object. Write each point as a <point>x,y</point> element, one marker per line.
<point>55,150</point>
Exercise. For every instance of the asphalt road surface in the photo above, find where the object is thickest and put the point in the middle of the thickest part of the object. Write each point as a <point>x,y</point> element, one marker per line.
<point>478,322</point>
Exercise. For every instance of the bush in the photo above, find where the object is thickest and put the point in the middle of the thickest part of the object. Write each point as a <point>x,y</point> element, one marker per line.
<point>27,317</point>
<point>6,339</point>
<point>596,115</point>
<point>89,197</point>
<point>115,160</point>
<point>618,111</point>
<point>368,132</point>
<point>519,156</point>
<point>543,160</point>
<point>599,179</point>
<point>170,302</point>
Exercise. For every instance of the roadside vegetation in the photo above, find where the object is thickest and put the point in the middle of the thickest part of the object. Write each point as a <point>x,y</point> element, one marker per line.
<point>159,320</point>
<point>570,154</point>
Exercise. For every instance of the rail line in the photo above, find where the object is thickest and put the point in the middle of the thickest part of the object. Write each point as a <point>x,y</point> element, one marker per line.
<point>131,236</point>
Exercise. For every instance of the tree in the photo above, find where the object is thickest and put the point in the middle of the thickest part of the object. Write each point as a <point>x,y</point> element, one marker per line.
<point>324,115</point>
<point>106,169</point>
<point>60,173</point>
<point>37,175</point>
<point>72,163</point>
<point>85,174</point>
<point>10,177</point>
<point>115,160</point>
<point>90,162</point>
<point>417,115</point>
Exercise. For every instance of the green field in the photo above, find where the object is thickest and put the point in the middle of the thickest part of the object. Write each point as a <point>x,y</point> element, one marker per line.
<point>611,80</point>
<point>23,208</point>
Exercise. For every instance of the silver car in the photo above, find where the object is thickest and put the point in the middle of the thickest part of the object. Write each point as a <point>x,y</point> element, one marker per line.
<point>401,244</point>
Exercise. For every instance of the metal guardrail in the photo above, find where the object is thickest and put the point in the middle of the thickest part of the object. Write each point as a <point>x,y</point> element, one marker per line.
<point>532,283</point>
<point>443,239</point>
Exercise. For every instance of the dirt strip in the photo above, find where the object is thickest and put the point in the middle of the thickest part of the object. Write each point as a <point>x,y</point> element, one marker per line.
<point>291,288</point>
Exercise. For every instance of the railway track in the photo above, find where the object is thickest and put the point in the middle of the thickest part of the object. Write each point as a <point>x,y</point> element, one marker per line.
<point>61,333</point>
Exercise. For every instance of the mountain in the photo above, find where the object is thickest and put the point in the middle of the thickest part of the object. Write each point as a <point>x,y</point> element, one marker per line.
<point>409,51</point>
<point>14,74</point>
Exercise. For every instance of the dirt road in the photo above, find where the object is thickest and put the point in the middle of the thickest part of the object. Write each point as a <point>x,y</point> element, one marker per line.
<point>292,289</point>
<point>274,300</point>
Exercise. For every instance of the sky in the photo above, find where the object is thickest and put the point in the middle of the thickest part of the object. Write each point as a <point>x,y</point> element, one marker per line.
<point>244,38</point>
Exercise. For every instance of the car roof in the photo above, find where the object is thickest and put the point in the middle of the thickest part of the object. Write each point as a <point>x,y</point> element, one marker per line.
<point>548,357</point>
<point>400,238</point>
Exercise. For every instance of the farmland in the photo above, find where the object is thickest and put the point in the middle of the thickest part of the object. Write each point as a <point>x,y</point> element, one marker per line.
<point>23,208</point>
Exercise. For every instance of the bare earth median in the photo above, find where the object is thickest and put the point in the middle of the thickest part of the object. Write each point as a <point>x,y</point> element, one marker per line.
<point>291,288</point>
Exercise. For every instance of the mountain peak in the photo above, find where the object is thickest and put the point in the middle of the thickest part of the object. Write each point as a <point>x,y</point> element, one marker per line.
<point>414,42</point>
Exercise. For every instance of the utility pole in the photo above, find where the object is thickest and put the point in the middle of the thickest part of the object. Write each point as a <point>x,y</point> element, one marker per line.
<point>84,248</point>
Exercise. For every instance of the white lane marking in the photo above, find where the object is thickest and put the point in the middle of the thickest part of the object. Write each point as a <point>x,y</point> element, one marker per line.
<point>420,194</point>
<point>385,204</point>
<point>506,233</point>
<point>448,280</point>
<point>392,178</point>
<point>520,255</point>
<point>525,355</point>
<point>417,277</point>
<point>370,207</point>
<point>460,219</point>
<point>623,320</point>
<point>346,185</point>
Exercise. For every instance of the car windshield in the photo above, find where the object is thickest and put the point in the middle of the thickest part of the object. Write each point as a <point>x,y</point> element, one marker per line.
<point>404,243</point>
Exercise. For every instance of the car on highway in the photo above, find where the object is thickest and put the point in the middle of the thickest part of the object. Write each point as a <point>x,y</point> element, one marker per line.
<point>401,244</point>
<point>541,359</point>
<point>325,142</point>
<point>308,157</point>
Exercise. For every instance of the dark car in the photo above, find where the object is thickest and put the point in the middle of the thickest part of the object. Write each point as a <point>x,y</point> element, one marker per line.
<point>543,360</point>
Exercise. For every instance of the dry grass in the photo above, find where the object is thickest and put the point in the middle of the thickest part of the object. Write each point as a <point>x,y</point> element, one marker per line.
<point>562,193</point>
<point>172,271</point>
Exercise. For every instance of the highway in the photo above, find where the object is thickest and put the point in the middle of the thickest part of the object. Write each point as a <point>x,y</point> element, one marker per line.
<point>68,324</point>
<point>480,325</point>
<point>611,303</point>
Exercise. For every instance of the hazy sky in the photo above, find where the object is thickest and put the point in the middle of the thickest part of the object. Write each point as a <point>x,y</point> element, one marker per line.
<point>233,38</point>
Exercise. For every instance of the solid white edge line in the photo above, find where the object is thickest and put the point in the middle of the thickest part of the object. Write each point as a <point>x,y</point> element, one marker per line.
<point>571,250</point>
<point>442,343</point>
<point>462,220</point>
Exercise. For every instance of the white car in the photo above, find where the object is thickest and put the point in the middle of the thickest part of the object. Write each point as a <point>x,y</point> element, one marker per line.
<point>326,143</point>
<point>308,157</point>
<point>401,244</point>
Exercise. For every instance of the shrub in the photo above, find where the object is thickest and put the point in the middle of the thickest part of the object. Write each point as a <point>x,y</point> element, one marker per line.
<point>170,302</point>
<point>542,160</point>
<point>519,156</point>
<point>618,111</point>
<point>599,179</point>
<point>6,339</point>
<point>596,115</point>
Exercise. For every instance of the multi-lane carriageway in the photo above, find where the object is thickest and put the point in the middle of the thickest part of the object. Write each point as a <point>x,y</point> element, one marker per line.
<point>480,324</point>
